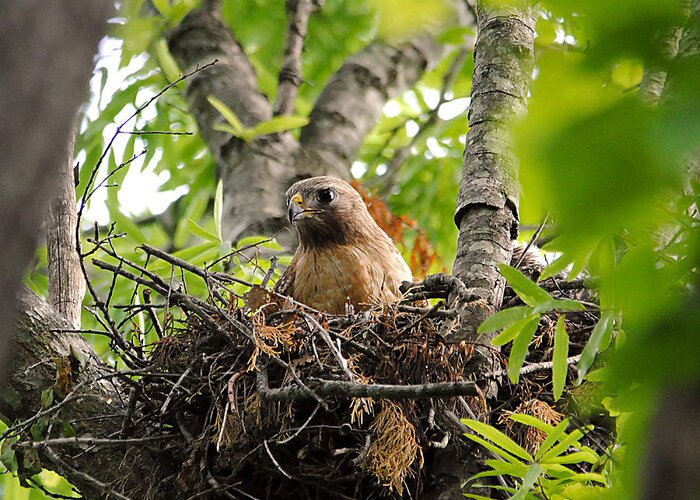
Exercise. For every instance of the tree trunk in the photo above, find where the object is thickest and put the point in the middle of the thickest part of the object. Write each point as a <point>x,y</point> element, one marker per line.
<point>487,207</point>
<point>45,64</point>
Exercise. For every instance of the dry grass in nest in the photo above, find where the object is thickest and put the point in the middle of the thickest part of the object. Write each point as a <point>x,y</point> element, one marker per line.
<point>394,448</point>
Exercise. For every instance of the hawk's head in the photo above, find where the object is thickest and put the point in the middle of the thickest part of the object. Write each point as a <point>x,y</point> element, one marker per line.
<point>328,211</point>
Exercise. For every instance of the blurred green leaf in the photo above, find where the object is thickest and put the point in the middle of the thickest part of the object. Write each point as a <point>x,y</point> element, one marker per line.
<point>592,346</point>
<point>560,366</point>
<point>514,329</point>
<point>518,351</point>
<point>278,124</point>
<point>498,438</point>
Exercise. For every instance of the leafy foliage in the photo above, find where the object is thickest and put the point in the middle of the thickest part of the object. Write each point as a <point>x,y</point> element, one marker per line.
<point>549,471</point>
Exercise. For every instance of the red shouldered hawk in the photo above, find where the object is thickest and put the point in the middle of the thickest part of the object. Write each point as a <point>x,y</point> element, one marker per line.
<point>343,258</point>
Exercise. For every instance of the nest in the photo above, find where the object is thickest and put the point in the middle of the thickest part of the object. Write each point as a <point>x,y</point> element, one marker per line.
<point>269,399</point>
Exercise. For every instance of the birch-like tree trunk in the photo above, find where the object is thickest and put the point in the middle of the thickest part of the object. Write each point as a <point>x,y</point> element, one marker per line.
<point>66,281</point>
<point>487,207</point>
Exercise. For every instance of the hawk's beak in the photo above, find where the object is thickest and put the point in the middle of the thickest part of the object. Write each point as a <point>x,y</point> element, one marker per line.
<point>295,210</point>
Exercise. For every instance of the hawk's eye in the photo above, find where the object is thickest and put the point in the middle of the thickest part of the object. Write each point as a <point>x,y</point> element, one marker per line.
<point>326,195</point>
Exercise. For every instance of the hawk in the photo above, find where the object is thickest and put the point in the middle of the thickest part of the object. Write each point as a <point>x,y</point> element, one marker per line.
<point>344,258</point>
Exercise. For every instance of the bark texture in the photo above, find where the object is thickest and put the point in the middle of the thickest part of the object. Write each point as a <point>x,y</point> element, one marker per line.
<point>487,207</point>
<point>66,282</point>
<point>45,65</point>
<point>255,175</point>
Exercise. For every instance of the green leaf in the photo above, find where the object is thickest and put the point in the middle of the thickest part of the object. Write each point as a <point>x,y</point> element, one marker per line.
<point>504,318</point>
<point>493,448</point>
<point>555,268</point>
<point>237,127</point>
<point>552,437</point>
<point>567,305</point>
<point>200,232</point>
<point>507,468</point>
<point>498,438</point>
<point>532,422</point>
<point>278,124</point>
<point>560,367</point>
<point>518,351</point>
<point>167,61</point>
<point>528,482</point>
<point>219,209</point>
<point>571,439</point>
<point>526,289</point>
<point>224,127</point>
<point>576,457</point>
<point>589,352</point>
<point>163,7</point>
<point>513,330</point>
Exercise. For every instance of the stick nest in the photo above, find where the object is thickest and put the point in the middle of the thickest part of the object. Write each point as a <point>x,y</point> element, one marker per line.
<point>268,399</point>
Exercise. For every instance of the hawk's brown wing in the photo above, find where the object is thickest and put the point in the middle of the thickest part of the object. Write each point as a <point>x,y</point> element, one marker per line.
<point>285,285</point>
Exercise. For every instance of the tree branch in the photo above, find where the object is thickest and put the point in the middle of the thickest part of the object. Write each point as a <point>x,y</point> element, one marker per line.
<point>66,282</point>
<point>298,12</point>
<point>42,342</point>
<point>352,102</point>
<point>342,389</point>
<point>200,38</point>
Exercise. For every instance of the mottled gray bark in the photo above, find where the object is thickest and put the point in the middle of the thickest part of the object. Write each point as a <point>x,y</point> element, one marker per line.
<point>47,357</point>
<point>255,175</point>
<point>66,281</point>
<point>352,102</point>
<point>45,64</point>
<point>487,207</point>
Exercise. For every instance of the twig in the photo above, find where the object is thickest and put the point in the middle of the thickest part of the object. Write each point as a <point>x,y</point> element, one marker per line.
<point>279,467</point>
<point>270,272</point>
<point>532,241</point>
<point>532,367</point>
<point>77,441</point>
<point>331,345</point>
<point>88,191</point>
<point>298,13</point>
<point>190,267</point>
<point>343,389</point>
<point>174,389</point>
<point>300,429</point>
<point>153,132</point>
<point>403,153</point>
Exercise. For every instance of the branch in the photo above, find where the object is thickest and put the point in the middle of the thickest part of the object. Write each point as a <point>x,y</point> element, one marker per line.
<point>42,341</point>
<point>66,281</point>
<point>352,102</point>
<point>342,389</point>
<point>298,12</point>
<point>487,212</point>
<point>201,37</point>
